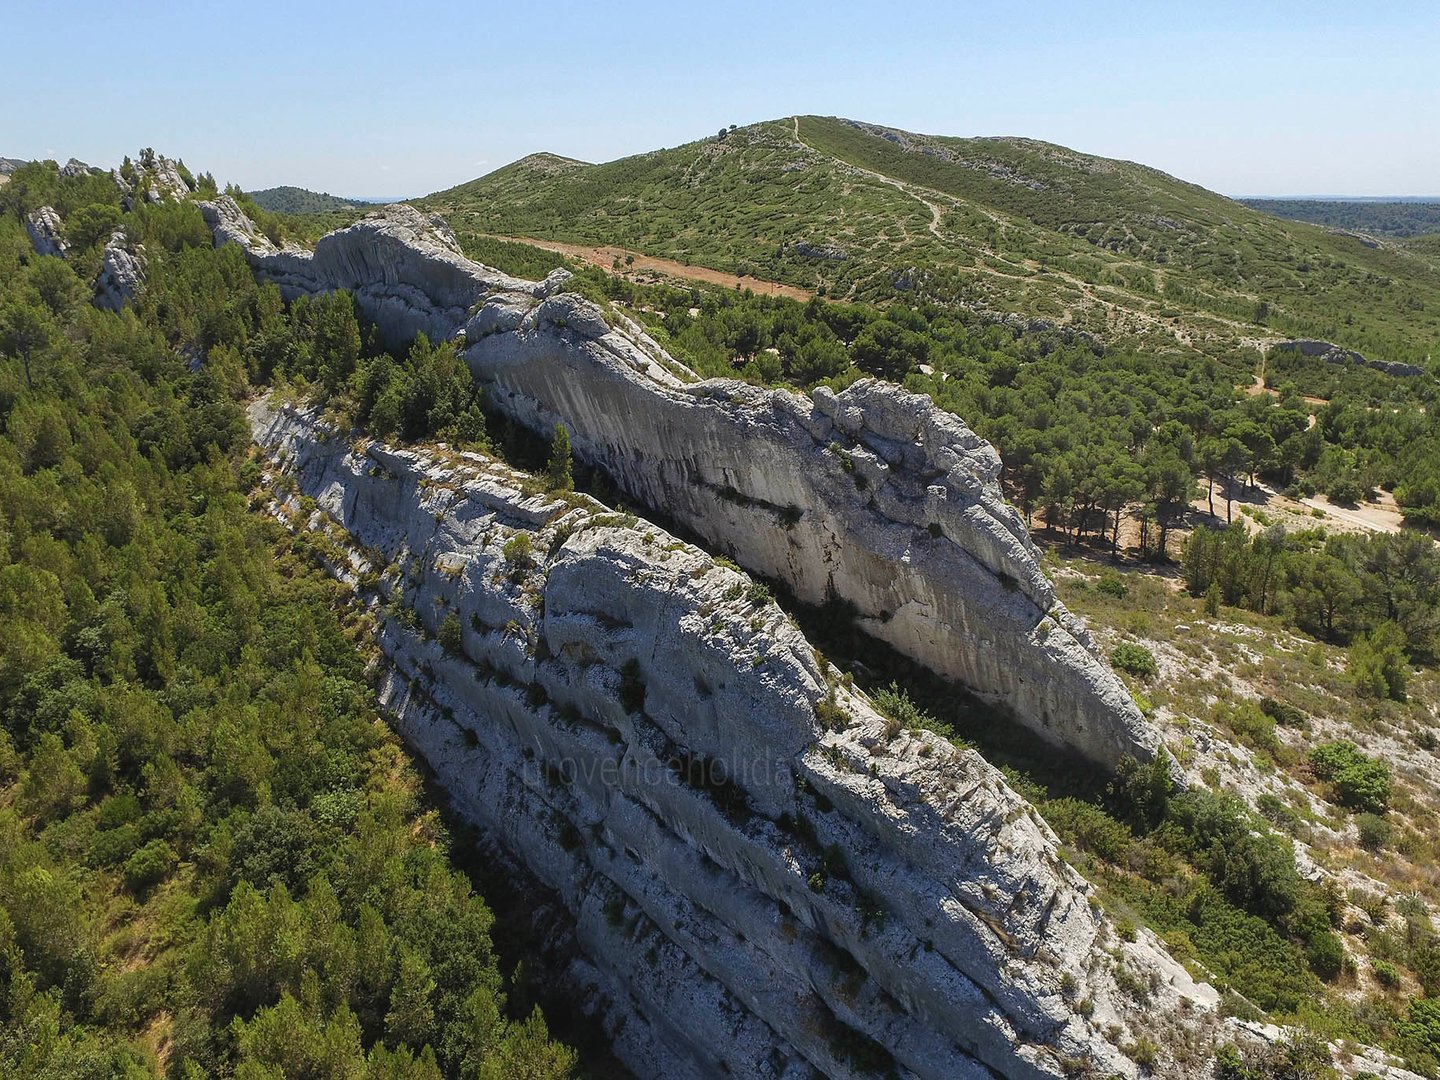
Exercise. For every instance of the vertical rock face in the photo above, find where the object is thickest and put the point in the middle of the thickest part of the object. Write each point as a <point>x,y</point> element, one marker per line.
<point>873,497</point>
<point>122,274</point>
<point>46,234</point>
<point>764,878</point>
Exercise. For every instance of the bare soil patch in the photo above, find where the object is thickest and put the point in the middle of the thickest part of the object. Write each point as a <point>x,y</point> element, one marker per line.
<point>605,258</point>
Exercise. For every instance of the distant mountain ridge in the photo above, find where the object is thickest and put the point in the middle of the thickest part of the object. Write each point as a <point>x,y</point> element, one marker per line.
<point>866,212</point>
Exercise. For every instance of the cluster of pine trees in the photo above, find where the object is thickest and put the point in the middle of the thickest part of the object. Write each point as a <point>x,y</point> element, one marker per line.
<point>215,858</point>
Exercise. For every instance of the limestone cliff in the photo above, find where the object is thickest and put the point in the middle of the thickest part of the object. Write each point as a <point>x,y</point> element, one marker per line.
<point>873,497</point>
<point>764,877</point>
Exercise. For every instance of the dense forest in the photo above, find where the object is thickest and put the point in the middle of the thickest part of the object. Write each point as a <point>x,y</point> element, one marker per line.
<point>215,859</point>
<point>297,200</point>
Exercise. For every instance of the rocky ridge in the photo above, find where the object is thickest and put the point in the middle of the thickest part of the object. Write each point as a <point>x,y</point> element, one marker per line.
<point>765,878</point>
<point>873,497</point>
<point>1334,354</point>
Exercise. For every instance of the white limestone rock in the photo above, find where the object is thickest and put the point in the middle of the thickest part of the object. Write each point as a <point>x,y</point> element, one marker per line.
<point>761,874</point>
<point>122,274</point>
<point>47,234</point>
<point>553,283</point>
<point>874,497</point>
<point>404,268</point>
<point>163,182</point>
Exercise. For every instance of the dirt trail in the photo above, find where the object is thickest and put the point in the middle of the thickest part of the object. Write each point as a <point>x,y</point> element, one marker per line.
<point>604,257</point>
<point>1258,387</point>
<point>1381,516</point>
<point>912,190</point>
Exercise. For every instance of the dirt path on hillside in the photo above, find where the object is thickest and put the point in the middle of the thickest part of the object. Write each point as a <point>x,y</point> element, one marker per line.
<point>912,190</point>
<point>604,257</point>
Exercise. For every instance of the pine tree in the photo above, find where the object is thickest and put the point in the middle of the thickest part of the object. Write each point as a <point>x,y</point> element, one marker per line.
<point>558,474</point>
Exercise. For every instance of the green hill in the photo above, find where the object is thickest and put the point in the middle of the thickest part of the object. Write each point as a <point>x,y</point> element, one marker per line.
<point>298,200</point>
<point>865,212</point>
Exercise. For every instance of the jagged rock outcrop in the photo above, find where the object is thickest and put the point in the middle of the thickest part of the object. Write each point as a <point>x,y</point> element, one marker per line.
<point>163,181</point>
<point>76,167</point>
<point>763,876</point>
<point>122,274</point>
<point>404,267</point>
<point>153,177</point>
<point>47,234</point>
<point>1334,354</point>
<point>873,497</point>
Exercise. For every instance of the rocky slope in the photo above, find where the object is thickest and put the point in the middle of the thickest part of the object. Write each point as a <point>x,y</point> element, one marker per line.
<point>765,878</point>
<point>872,497</point>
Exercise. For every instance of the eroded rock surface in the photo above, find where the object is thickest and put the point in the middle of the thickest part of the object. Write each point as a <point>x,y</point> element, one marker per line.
<point>122,274</point>
<point>873,497</point>
<point>1335,354</point>
<point>765,878</point>
<point>47,236</point>
<point>404,267</point>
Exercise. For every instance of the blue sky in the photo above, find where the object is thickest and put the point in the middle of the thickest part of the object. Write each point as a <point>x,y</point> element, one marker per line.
<point>369,98</point>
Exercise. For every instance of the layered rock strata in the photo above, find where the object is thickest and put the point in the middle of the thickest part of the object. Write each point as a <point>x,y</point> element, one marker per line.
<point>765,877</point>
<point>873,497</point>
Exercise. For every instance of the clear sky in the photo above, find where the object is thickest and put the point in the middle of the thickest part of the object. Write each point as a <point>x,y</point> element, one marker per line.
<point>390,99</point>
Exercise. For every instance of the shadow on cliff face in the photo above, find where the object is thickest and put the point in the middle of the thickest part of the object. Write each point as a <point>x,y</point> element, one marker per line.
<point>533,938</point>
<point>958,713</point>
<point>834,630</point>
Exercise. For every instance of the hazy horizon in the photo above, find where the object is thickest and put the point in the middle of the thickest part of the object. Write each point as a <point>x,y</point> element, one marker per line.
<point>1246,101</point>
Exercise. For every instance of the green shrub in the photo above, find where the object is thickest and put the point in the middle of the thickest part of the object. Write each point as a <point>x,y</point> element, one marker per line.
<point>519,551</point>
<point>1359,782</point>
<point>449,635</point>
<point>1375,832</point>
<point>1281,713</point>
<point>1134,660</point>
<point>1326,954</point>
<point>1088,828</point>
<point>1113,585</point>
<point>1378,664</point>
<point>1422,1025</point>
<point>894,702</point>
<point>148,867</point>
<point>1250,724</point>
